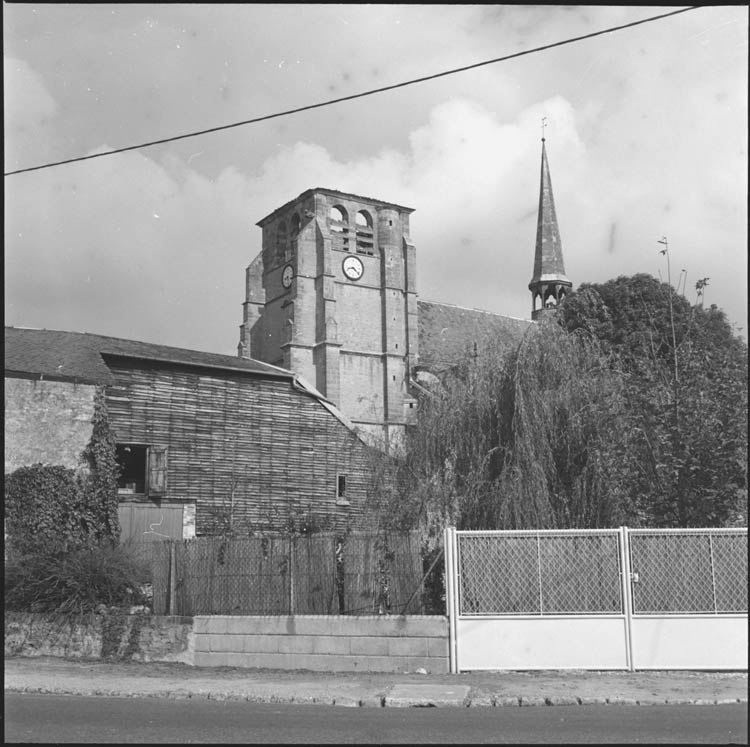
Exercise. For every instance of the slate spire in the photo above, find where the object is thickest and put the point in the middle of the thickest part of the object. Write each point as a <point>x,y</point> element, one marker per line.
<point>549,284</point>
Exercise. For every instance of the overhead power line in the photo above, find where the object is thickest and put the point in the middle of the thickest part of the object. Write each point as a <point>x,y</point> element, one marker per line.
<point>372,92</point>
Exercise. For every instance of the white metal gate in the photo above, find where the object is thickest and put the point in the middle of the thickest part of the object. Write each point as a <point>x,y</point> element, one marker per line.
<point>597,599</point>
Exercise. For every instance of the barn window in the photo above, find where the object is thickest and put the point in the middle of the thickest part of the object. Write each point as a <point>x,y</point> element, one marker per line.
<point>341,496</point>
<point>143,469</point>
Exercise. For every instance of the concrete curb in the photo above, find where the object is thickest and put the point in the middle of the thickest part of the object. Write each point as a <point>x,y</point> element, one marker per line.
<point>397,696</point>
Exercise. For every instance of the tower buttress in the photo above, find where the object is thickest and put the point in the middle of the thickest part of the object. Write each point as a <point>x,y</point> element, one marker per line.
<point>549,284</point>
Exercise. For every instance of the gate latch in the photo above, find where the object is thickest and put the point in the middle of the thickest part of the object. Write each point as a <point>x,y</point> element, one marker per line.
<point>634,578</point>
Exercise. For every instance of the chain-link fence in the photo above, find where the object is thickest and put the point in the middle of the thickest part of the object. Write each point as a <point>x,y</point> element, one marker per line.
<point>318,574</point>
<point>691,571</point>
<point>580,572</point>
<point>539,573</point>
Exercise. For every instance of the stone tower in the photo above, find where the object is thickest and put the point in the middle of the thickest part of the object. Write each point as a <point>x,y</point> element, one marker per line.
<point>332,297</point>
<point>549,283</point>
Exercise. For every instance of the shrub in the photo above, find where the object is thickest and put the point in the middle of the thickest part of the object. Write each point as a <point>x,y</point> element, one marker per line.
<point>75,581</point>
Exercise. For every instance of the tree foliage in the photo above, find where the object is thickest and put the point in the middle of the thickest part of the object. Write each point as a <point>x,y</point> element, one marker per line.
<point>686,395</point>
<point>629,407</point>
<point>516,441</point>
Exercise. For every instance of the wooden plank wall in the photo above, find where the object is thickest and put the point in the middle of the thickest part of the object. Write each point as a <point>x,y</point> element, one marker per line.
<point>242,446</point>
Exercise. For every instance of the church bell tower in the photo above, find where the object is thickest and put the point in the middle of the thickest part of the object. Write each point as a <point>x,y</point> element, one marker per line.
<point>549,284</point>
<point>332,296</point>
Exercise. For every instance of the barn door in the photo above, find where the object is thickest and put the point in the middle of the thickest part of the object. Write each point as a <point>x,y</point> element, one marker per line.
<point>148,522</point>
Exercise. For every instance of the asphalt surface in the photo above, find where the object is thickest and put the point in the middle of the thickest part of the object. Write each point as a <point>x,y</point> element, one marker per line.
<point>475,689</point>
<point>56,719</point>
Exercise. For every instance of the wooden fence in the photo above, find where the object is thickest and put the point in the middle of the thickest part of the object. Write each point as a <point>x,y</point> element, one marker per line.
<point>318,574</point>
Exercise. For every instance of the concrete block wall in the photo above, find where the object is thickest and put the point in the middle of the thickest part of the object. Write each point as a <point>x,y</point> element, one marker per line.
<point>324,643</point>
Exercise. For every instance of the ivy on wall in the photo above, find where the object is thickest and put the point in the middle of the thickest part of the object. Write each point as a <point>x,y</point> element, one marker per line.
<point>53,508</point>
<point>63,535</point>
<point>100,482</point>
<point>44,509</point>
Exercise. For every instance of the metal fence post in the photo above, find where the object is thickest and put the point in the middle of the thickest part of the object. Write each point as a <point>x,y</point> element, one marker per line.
<point>627,596</point>
<point>451,595</point>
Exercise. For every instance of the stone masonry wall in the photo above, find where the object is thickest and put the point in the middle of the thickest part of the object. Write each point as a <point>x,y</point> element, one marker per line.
<point>324,643</point>
<point>46,422</point>
<point>112,636</point>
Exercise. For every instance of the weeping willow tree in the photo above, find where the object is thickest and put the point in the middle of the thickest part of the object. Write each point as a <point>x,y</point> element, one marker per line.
<point>566,437</point>
<point>529,438</point>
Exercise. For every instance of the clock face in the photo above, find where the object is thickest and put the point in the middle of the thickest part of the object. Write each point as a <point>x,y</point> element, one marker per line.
<point>353,268</point>
<point>287,275</point>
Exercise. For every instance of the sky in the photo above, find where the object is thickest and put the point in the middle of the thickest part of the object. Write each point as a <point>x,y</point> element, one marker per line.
<point>646,137</point>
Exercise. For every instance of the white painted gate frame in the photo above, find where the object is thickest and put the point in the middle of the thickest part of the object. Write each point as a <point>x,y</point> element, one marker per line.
<point>597,641</point>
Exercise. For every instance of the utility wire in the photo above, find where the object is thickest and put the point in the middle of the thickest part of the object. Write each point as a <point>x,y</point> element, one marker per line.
<point>355,95</point>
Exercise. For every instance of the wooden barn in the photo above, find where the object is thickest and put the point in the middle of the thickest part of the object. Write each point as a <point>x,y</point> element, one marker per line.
<point>207,444</point>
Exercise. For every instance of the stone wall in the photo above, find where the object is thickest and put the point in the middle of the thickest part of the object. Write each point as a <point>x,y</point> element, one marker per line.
<point>312,642</point>
<point>47,422</point>
<point>324,643</point>
<point>111,636</point>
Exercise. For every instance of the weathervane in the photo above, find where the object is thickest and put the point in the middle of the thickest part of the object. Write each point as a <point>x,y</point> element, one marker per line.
<point>544,124</point>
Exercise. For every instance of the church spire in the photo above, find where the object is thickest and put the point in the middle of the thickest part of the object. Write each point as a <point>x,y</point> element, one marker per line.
<point>549,283</point>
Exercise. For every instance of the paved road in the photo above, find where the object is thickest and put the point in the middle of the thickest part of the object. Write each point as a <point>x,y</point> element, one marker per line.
<point>61,718</point>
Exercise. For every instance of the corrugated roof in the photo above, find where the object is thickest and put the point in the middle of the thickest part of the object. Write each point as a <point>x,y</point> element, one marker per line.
<point>447,334</point>
<point>78,356</point>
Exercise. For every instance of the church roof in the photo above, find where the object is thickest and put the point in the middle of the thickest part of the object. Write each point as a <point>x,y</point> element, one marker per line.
<point>447,334</point>
<point>548,257</point>
<point>80,357</point>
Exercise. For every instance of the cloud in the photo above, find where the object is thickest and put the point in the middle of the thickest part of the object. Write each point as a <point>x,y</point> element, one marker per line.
<point>163,261</point>
<point>29,114</point>
<point>647,133</point>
